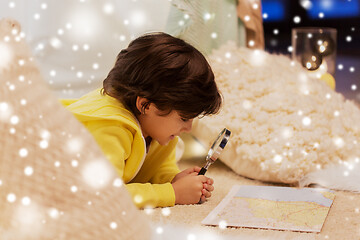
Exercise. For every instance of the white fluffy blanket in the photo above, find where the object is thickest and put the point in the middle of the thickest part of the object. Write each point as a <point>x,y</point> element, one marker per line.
<point>285,124</point>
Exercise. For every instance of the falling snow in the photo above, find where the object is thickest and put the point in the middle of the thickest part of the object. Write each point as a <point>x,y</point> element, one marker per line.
<point>306,121</point>
<point>166,211</point>
<point>74,189</point>
<point>78,35</point>
<point>97,174</point>
<point>53,213</point>
<point>222,224</point>
<point>11,197</point>
<point>159,230</point>
<point>28,171</point>
<point>113,225</point>
<point>23,152</point>
<point>6,56</point>
<point>26,201</point>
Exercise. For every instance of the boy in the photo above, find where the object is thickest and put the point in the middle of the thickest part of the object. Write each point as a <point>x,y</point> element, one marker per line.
<point>158,85</point>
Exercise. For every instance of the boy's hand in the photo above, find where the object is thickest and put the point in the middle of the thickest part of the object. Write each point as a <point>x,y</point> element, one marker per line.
<point>207,189</point>
<point>188,189</point>
<point>189,171</point>
<point>194,171</point>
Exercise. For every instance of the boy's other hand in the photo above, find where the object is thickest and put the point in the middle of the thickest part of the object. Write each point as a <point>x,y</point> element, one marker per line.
<point>189,171</point>
<point>207,189</point>
<point>189,189</point>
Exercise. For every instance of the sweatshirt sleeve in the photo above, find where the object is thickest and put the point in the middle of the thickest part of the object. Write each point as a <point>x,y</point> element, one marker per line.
<point>152,195</point>
<point>168,169</point>
<point>158,192</point>
<point>116,143</point>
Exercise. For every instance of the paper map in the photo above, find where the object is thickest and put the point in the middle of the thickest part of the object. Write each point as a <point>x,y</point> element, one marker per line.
<point>282,208</point>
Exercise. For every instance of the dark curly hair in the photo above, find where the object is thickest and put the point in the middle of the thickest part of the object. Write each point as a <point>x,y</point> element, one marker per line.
<point>166,71</point>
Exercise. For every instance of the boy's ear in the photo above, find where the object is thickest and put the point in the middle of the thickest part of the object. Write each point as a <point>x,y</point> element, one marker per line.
<point>140,102</point>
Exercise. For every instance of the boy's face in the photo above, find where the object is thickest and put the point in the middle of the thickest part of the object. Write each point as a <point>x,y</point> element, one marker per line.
<point>162,128</point>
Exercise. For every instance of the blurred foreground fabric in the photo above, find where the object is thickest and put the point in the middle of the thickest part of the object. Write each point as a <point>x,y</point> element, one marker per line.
<point>55,183</point>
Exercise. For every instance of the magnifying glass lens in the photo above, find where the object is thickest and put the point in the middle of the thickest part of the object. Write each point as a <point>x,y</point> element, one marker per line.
<point>215,149</point>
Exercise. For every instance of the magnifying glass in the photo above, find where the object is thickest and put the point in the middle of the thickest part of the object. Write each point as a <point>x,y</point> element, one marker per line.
<point>215,150</point>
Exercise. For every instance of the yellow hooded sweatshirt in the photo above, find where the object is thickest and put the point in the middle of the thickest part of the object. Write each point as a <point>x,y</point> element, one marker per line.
<point>147,176</point>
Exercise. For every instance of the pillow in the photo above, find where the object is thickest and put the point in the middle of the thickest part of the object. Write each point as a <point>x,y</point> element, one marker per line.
<point>284,124</point>
<point>55,183</point>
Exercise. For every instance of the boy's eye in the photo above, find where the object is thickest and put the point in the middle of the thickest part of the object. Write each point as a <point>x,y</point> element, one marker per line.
<point>184,119</point>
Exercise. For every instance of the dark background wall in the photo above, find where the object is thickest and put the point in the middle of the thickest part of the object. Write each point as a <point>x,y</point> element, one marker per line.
<point>344,15</point>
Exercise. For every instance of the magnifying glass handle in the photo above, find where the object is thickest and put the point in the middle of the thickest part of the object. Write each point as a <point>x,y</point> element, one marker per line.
<point>202,171</point>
